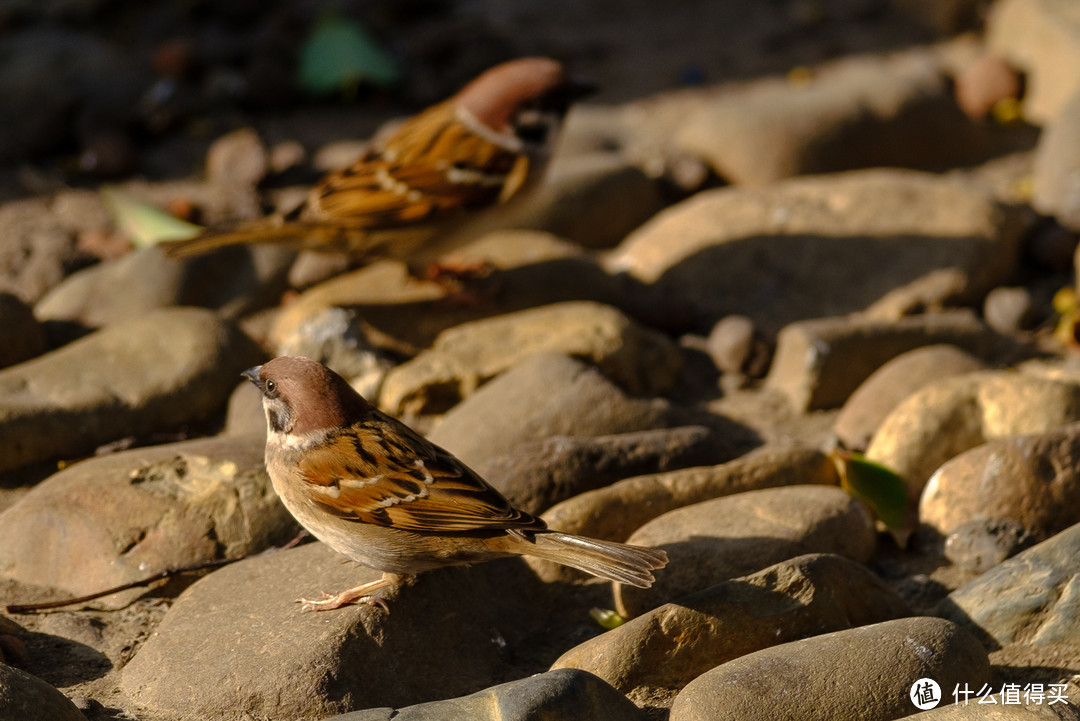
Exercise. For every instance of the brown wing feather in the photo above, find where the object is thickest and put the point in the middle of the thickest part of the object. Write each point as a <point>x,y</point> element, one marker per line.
<point>434,166</point>
<point>387,475</point>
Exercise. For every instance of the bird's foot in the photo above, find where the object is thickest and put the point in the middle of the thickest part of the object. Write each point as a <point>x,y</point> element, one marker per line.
<point>363,593</point>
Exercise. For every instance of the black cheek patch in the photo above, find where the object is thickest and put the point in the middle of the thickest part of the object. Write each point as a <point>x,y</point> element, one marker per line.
<point>279,417</point>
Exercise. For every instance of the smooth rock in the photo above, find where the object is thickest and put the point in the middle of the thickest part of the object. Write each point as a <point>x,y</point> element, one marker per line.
<point>245,415</point>
<point>675,643</point>
<point>545,395</point>
<point>28,698</point>
<point>998,709</point>
<point>616,511</point>
<point>1010,309</point>
<point>1033,480</point>
<point>566,694</point>
<point>1056,179</point>
<point>593,199</point>
<point>769,253</point>
<point>894,381</point>
<point>449,633</point>
<point>402,314</point>
<point>21,336</point>
<point>1041,38</point>
<point>864,673</point>
<point>235,281</point>
<point>535,476</point>
<point>123,517</point>
<point>1031,598</point>
<point>819,363</point>
<point>946,418</point>
<point>153,373</point>
<point>238,158</point>
<point>722,538</point>
<point>464,357</point>
<point>37,248</point>
<point>333,337</point>
<point>980,545</point>
<point>859,112</point>
<point>730,342</point>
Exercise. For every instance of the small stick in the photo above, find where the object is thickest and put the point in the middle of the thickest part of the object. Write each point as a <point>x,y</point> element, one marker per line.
<point>167,573</point>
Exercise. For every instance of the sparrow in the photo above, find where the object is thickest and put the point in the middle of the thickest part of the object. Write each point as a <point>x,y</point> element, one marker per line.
<point>478,150</point>
<point>381,494</point>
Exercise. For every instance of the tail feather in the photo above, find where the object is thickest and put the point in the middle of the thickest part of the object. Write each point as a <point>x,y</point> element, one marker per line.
<point>632,565</point>
<point>268,230</point>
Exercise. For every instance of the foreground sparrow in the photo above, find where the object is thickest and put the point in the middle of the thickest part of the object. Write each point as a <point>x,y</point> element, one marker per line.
<point>374,490</point>
<point>475,151</point>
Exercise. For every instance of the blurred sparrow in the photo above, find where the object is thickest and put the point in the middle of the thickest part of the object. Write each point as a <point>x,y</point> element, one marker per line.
<point>481,148</point>
<point>377,492</point>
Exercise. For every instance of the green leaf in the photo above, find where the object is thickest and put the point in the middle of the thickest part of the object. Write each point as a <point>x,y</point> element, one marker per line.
<point>607,618</point>
<point>339,55</point>
<point>143,223</point>
<point>879,487</point>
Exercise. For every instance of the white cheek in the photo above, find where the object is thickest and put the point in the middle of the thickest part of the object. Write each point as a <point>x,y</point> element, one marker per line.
<point>289,442</point>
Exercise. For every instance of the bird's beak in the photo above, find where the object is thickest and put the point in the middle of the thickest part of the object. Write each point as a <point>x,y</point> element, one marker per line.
<point>252,374</point>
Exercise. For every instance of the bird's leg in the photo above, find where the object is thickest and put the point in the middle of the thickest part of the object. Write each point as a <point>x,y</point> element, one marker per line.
<point>363,592</point>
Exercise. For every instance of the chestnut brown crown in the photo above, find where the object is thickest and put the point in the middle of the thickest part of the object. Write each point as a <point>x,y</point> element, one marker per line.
<point>302,396</point>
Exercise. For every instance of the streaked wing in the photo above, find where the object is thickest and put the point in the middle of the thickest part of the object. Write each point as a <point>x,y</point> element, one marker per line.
<point>381,472</point>
<point>433,167</point>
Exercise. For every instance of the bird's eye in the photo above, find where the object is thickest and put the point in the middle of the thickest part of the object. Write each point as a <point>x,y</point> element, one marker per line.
<point>270,387</point>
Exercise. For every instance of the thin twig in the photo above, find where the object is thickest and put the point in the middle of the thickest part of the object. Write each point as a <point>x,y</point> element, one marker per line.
<point>167,573</point>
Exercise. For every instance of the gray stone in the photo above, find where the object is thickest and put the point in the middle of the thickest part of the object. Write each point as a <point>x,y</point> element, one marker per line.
<point>405,315</point>
<point>1042,38</point>
<point>715,540</point>
<point>946,418</point>
<point>124,517</point>
<point>543,396</point>
<point>28,698</point>
<point>864,673</point>
<point>616,511</point>
<point>234,281</point>
<point>1030,598</point>
<point>859,112</point>
<point>535,476</point>
<point>152,373</point>
<point>1056,181</point>
<point>999,709</point>
<point>819,363</point>
<point>675,643</point>
<point>450,632</point>
<point>1009,309</point>
<point>980,545</point>
<point>37,249</point>
<point>593,200</point>
<point>769,253</point>
<point>1033,480</point>
<point>464,357</point>
<point>567,695</point>
<point>333,337</point>
<point>876,397</point>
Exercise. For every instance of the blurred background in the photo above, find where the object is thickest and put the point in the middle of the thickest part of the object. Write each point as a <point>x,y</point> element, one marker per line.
<point>105,89</point>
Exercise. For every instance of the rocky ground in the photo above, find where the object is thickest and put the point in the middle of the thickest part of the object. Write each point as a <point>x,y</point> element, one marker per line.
<point>805,226</point>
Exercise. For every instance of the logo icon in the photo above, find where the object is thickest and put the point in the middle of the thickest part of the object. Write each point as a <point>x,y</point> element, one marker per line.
<point>925,694</point>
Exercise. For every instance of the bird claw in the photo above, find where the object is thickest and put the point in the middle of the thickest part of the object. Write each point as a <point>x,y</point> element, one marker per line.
<point>329,602</point>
